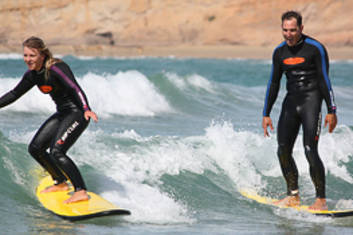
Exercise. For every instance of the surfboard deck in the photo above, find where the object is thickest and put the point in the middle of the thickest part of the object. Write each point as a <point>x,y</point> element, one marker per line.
<point>304,208</point>
<point>96,206</point>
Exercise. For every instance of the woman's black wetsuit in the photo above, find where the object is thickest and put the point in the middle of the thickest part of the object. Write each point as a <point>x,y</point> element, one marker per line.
<point>63,128</point>
<point>306,67</point>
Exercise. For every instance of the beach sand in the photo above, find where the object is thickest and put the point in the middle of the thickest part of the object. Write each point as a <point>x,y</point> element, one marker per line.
<point>180,51</point>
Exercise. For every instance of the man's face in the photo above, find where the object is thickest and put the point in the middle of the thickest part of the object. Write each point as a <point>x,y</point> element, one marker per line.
<point>291,31</point>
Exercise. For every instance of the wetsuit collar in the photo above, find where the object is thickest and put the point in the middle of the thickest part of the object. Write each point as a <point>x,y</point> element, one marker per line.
<point>300,41</point>
<point>41,71</point>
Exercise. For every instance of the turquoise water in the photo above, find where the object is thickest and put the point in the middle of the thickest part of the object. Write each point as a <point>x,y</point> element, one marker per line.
<point>176,140</point>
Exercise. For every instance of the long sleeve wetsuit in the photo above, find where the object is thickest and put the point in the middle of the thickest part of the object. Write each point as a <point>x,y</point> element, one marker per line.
<point>62,129</point>
<point>306,67</point>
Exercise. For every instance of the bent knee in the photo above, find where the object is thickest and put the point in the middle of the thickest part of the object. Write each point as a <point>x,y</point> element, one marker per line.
<point>55,152</point>
<point>58,155</point>
<point>34,150</point>
<point>310,152</point>
<point>312,155</point>
<point>283,151</point>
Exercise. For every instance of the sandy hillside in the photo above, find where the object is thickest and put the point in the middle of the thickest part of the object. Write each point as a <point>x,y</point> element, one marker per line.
<point>169,26</point>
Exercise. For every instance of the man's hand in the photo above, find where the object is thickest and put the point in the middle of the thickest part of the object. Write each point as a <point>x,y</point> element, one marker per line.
<point>266,121</point>
<point>331,120</point>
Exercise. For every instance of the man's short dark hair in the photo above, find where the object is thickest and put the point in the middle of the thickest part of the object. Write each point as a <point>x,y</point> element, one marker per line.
<point>292,14</point>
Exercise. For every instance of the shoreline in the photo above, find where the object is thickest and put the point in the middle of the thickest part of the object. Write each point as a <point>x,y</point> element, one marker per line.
<point>180,51</point>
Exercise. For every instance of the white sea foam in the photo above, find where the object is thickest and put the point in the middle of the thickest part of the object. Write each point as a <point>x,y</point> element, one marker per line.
<point>139,168</point>
<point>195,81</point>
<point>138,171</point>
<point>32,101</point>
<point>18,56</point>
<point>149,205</point>
<point>178,81</point>
<point>245,157</point>
<point>124,93</point>
<point>230,150</point>
<point>336,150</point>
<point>200,82</point>
<point>10,56</point>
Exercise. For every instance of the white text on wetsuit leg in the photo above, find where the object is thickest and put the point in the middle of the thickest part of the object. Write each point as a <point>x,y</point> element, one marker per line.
<point>67,133</point>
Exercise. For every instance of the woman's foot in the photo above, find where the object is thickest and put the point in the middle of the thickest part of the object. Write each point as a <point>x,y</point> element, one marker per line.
<point>289,201</point>
<point>319,205</point>
<point>78,196</point>
<point>56,188</point>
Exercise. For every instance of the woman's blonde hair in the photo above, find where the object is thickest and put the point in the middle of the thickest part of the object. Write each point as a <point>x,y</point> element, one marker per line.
<point>37,43</point>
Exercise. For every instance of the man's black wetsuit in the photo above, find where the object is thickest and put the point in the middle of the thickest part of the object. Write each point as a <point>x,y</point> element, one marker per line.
<point>63,128</point>
<point>306,67</point>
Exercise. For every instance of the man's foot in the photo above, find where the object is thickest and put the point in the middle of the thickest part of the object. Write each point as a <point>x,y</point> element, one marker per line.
<point>319,205</point>
<point>78,196</point>
<point>289,201</point>
<point>56,188</point>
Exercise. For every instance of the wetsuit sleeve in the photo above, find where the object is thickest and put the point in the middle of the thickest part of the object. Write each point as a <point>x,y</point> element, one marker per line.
<point>21,88</point>
<point>273,84</point>
<point>322,67</point>
<point>64,74</point>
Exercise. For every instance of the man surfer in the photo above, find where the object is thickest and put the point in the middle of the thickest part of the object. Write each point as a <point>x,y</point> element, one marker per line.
<point>305,63</point>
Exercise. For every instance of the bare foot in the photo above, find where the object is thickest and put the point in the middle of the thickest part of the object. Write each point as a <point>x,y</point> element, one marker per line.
<point>77,196</point>
<point>289,201</point>
<point>319,205</point>
<point>56,188</point>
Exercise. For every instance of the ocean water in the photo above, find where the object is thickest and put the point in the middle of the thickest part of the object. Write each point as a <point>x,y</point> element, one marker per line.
<point>175,142</point>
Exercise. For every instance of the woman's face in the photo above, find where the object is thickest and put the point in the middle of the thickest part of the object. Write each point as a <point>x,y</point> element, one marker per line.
<point>33,58</point>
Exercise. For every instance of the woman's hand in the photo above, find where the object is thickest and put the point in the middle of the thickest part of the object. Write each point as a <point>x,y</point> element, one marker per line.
<point>89,114</point>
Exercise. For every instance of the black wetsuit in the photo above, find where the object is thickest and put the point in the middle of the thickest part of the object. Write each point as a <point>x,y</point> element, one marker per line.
<point>63,128</point>
<point>306,67</point>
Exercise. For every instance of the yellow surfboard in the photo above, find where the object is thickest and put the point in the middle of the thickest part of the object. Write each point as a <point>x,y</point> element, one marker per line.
<point>96,206</point>
<point>270,201</point>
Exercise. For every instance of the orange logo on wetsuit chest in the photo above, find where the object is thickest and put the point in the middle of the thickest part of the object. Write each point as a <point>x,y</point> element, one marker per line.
<point>294,60</point>
<point>45,89</point>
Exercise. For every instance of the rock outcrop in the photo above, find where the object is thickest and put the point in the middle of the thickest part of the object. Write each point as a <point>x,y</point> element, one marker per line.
<point>75,25</point>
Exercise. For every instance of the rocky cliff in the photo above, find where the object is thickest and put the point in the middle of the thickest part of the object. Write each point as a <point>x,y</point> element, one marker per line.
<point>75,25</point>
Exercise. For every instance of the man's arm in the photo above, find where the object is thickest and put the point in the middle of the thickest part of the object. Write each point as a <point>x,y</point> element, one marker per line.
<point>322,68</point>
<point>273,86</point>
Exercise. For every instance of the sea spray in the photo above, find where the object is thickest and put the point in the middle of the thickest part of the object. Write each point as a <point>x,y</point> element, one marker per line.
<point>157,151</point>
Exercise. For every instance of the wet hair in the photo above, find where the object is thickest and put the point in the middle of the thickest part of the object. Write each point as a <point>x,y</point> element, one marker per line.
<point>37,43</point>
<point>293,14</point>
